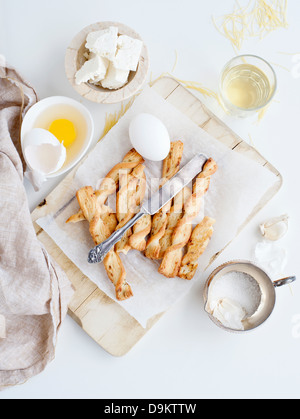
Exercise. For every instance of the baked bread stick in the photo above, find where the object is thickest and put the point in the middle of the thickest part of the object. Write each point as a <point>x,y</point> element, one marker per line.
<point>110,184</point>
<point>175,214</point>
<point>197,245</point>
<point>129,198</point>
<point>100,231</point>
<point>171,166</point>
<point>173,256</point>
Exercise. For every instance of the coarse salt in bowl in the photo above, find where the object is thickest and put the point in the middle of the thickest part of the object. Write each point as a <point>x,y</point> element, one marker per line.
<point>239,296</point>
<point>234,296</point>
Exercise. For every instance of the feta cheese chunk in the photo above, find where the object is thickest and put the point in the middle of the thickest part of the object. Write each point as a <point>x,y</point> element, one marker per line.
<point>104,42</point>
<point>115,78</point>
<point>92,70</point>
<point>110,58</point>
<point>128,53</point>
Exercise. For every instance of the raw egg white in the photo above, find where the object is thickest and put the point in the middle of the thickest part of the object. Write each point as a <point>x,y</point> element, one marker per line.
<point>43,152</point>
<point>149,137</point>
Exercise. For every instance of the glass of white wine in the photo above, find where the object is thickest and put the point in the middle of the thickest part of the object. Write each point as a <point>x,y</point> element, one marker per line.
<point>247,84</point>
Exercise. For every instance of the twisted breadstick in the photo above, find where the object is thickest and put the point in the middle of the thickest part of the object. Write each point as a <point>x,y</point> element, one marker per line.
<point>116,273</point>
<point>135,189</point>
<point>131,193</point>
<point>172,259</point>
<point>172,162</point>
<point>101,230</point>
<point>175,215</point>
<point>140,231</point>
<point>89,207</point>
<point>197,244</point>
<point>110,184</point>
<point>88,202</point>
<point>109,217</point>
<point>159,223</point>
<point>112,263</point>
<point>129,198</point>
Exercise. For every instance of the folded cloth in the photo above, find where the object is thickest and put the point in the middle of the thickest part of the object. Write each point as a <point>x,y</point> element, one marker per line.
<point>34,291</point>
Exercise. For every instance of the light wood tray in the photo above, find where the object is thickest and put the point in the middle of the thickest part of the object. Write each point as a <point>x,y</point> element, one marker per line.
<point>99,316</point>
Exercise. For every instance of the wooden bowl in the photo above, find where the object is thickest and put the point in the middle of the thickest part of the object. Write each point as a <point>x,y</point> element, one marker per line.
<point>75,59</point>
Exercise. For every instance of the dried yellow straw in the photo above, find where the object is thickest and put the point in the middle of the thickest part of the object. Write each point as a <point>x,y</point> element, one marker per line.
<point>257,19</point>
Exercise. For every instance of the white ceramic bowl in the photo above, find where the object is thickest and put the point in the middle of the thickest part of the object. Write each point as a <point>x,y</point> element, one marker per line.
<point>38,112</point>
<point>75,59</point>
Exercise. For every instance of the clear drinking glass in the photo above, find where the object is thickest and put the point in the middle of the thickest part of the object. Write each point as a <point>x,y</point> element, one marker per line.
<point>247,84</point>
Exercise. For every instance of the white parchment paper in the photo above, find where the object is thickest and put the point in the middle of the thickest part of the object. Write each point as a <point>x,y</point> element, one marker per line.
<point>235,190</point>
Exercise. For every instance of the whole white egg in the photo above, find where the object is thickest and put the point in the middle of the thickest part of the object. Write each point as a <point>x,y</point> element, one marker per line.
<point>149,137</point>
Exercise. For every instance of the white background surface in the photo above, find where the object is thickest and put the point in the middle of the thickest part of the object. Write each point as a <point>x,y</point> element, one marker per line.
<point>184,355</point>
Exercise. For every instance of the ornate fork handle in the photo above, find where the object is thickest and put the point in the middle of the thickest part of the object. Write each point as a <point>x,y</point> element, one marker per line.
<point>99,252</point>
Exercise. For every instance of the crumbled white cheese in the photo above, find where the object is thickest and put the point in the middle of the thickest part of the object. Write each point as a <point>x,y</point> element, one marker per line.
<point>89,55</point>
<point>93,70</point>
<point>128,53</point>
<point>115,78</point>
<point>104,42</point>
<point>110,58</point>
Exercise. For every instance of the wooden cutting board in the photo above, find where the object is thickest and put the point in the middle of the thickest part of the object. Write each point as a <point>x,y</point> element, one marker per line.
<point>101,318</point>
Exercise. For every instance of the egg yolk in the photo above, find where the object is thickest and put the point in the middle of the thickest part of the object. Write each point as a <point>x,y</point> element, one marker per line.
<point>64,131</point>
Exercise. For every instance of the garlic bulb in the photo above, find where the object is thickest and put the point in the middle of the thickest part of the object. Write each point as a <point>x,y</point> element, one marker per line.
<point>275,228</point>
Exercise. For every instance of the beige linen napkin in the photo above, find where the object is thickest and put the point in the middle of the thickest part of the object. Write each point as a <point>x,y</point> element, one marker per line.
<point>34,291</point>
